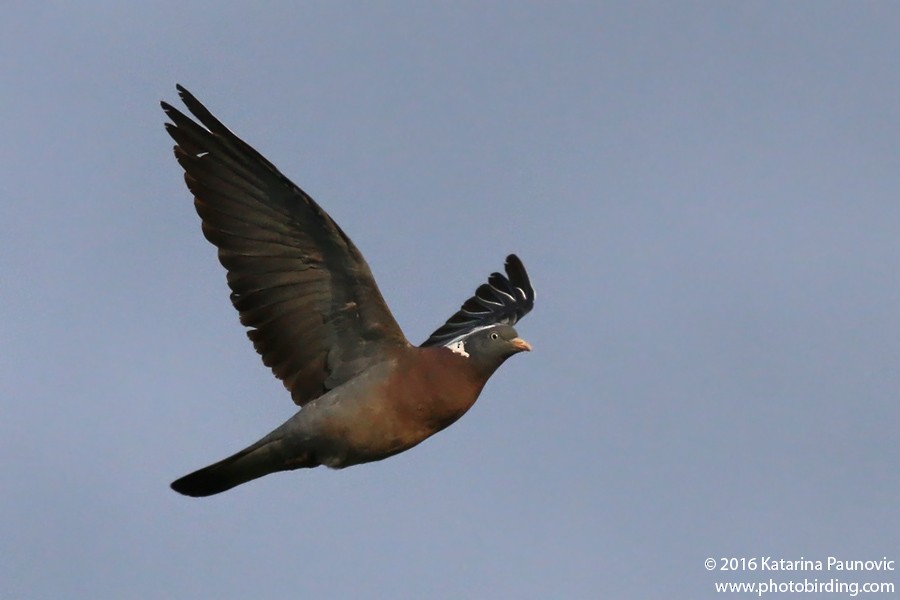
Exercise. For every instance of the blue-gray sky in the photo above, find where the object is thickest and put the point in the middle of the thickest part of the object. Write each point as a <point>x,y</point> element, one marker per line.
<point>705,193</point>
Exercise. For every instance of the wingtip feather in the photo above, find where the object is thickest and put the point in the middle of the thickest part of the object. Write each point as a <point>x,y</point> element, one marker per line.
<point>503,299</point>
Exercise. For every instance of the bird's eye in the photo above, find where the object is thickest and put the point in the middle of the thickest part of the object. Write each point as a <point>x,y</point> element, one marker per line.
<point>495,336</point>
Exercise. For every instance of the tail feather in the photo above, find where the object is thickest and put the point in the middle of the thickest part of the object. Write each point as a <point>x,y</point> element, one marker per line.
<point>251,463</point>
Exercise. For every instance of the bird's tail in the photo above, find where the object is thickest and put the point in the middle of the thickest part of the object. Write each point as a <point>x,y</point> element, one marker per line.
<point>264,457</point>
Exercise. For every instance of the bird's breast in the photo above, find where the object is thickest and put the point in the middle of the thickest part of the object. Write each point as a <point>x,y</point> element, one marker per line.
<point>394,408</point>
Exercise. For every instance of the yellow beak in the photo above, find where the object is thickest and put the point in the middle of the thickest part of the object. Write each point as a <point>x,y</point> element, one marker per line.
<point>520,345</point>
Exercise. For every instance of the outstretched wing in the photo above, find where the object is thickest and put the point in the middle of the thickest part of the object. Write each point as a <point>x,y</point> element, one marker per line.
<point>314,311</point>
<point>500,300</point>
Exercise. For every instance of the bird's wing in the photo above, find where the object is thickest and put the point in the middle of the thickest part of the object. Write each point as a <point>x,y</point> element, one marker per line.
<point>503,299</point>
<point>314,311</point>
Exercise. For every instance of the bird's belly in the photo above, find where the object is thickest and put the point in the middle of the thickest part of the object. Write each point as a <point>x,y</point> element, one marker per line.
<point>380,430</point>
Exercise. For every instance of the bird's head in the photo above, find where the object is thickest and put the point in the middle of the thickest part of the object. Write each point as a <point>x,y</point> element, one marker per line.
<point>487,347</point>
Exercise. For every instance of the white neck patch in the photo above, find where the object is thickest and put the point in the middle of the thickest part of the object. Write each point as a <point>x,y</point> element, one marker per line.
<point>458,344</point>
<point>459,347</point>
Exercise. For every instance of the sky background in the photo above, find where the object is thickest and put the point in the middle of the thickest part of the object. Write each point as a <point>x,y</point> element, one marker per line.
<point>704,193</point>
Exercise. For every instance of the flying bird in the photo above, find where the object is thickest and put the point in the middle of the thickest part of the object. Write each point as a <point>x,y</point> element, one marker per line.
<point>315,315</point>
